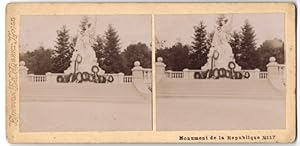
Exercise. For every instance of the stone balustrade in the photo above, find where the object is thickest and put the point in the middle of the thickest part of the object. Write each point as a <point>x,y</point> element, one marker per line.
<point>127,79</point>
<point>274,71</point>
<point>189,74</point>
<point>263,75</point>
<point>119,78</point>
<point>175,74</point>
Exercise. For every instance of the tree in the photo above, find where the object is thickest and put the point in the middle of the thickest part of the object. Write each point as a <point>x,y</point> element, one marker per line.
<point>98,47</point>
<point>136,52</point>
<point>39,61</point>
<point>112,62</point>
<point>198,53</point>
<point>270,48</point>
<point>73,43</point>
<point>63,52</point>
<point>178,57</point>
<point>164,53</point>
<point>235,43</point>
<point>248,58</point>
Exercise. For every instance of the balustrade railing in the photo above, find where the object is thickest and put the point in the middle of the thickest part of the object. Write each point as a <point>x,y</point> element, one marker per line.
<point>263,75</point>
<point>189,74</point>
<point>120,78</point>
<point>174,74</point>
<point>37,78</point>
<point>127,79</point>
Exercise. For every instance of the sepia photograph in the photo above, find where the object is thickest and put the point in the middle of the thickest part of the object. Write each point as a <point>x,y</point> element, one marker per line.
<point>150,73</point>
<point>220,72</point>
<point>85,73</point>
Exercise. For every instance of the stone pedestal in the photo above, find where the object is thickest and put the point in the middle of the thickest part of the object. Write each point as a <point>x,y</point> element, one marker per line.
<point>209,61</point>
<point>186,73</point>
<point>272,68</point>
<point>255,75</point>
<point>23,71</point>
<point>137,71</point>
<point>50,78</point>
<point>160,69</point>
<point>274,74</point>
<point>83,64</point>
<point>120,78</point>
<point>138,80</point>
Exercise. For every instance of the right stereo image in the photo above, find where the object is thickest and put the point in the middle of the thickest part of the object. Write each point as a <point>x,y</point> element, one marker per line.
<point>220,72</point>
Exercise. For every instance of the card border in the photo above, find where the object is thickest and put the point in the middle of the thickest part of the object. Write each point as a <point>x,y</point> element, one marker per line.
<point>15,10</point>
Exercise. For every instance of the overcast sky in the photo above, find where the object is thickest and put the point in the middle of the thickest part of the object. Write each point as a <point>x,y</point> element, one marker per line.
<point>173,28</point>
<point>41,30</point>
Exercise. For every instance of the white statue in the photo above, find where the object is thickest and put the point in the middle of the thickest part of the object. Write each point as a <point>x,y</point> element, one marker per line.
<point>84,56</point>
<point>221,49</point>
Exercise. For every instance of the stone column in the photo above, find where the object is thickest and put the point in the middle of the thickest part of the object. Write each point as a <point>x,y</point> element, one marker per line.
<point>160,69</point>
<point>186,74</point>
<point>50,78</point>
<point>23,71</point>
<point>137,71</point>
<point>121,78</point>
<point>138,80</point>
<point>274,74</point>
<point>255,75</point>
<point>272,68</point>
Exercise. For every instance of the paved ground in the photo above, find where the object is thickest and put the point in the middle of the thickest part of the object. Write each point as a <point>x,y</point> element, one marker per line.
<point>220,113</point>
<point>85,116</point>
<point>83,107</point>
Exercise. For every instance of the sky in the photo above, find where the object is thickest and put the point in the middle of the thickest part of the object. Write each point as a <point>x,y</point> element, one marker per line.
<point>41,30</point>
<point>174,28</point>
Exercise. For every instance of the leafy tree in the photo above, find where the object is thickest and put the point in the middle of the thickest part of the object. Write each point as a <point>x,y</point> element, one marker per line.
<point>63,52</point>
<point>136,52</point>
<point>39,61</point>
<point>164,53</point>
<point>161,50</point>
<point>198,53</point>
<point>268,49</point>
<point>98,47</point>
<point>112,62</point>
<point>178,57</point>
<point>248,58</point>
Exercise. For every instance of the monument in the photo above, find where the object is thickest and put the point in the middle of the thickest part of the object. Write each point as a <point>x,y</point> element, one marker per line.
<point>84,57</point>
<point>220,54</point>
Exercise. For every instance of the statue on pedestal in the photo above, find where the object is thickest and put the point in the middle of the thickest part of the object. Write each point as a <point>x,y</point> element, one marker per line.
<point>84,56</point>
<point>220,53</point>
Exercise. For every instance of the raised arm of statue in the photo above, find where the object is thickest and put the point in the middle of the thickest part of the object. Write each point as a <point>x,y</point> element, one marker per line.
<point>228,25</point>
